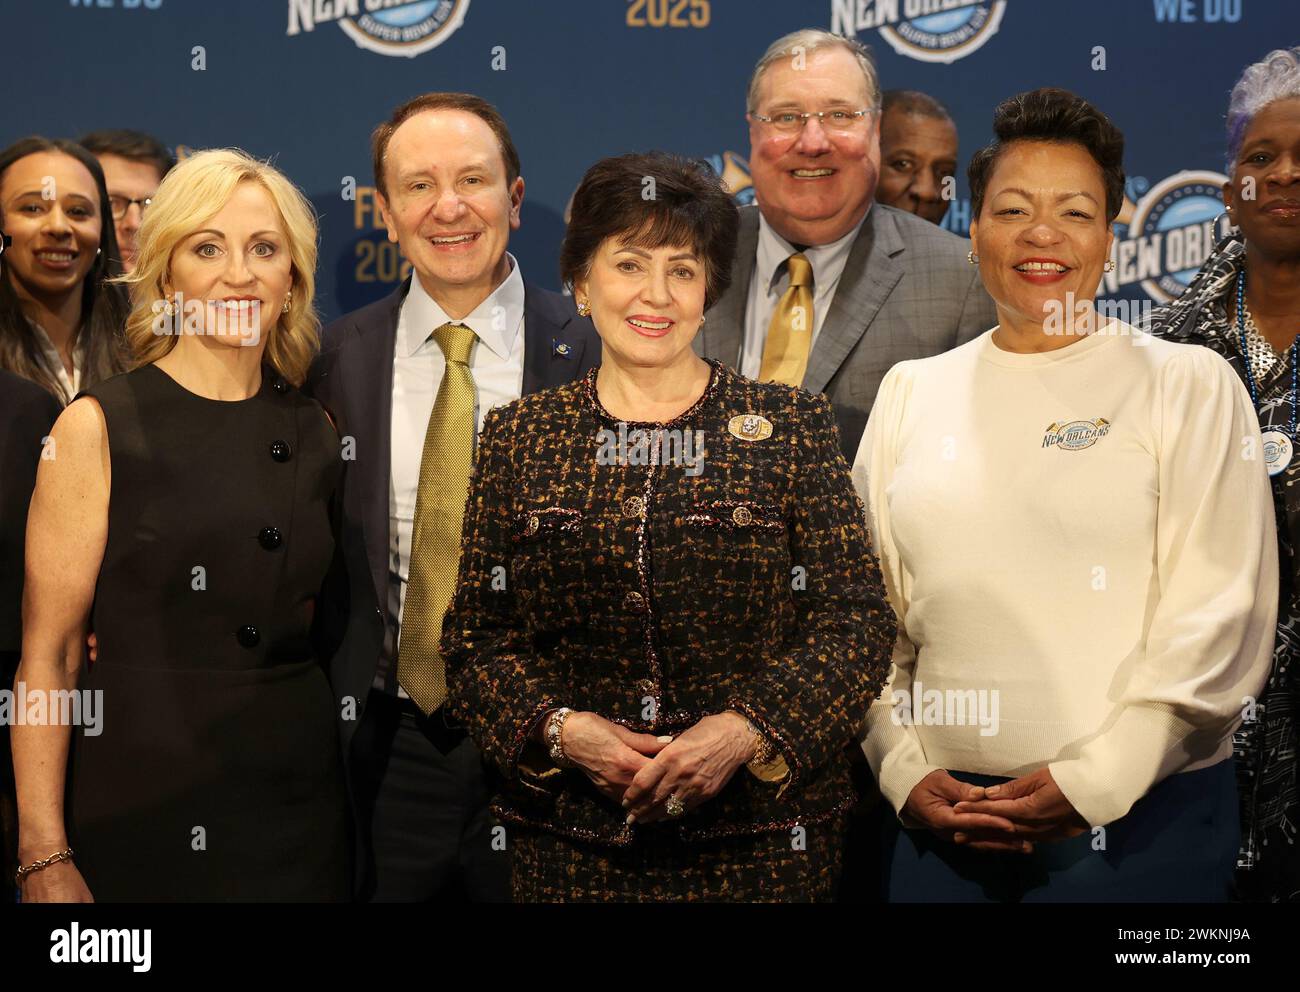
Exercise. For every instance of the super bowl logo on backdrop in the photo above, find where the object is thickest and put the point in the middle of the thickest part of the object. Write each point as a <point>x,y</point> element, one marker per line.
<point>928,30</point>
<point>389,27</point>
<point>1171,231</point>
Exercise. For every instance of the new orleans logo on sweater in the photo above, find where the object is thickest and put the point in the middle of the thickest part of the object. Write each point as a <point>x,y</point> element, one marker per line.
<point>1075,435</point>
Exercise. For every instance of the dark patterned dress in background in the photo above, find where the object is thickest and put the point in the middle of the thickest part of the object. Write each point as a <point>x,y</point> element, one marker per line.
<point>1268,866</point>
<point>654,595</point>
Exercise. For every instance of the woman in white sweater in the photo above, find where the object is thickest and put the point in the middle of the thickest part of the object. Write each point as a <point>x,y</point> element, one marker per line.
<point>1076,532</point>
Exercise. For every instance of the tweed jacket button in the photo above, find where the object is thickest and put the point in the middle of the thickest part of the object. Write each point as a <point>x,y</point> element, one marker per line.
<point>634,601</point>
<point>633,506</point>
<point>534,522</point>
<point>281,451</point>
<point>742,516</point>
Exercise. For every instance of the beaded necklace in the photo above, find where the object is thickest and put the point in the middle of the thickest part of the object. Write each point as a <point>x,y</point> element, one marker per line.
<point>1242,319</point>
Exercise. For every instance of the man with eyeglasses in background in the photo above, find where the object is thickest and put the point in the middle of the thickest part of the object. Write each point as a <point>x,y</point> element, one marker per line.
<point>829,290</point>
<point>134,163</point>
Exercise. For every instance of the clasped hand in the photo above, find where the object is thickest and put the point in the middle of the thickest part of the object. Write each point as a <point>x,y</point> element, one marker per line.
<point>1012,816</point>
<point>640,771</point>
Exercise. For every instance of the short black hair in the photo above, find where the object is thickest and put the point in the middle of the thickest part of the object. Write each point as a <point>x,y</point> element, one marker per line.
<point>133,145</point>
<point>1053,115</point>
<point>686,204</point>
<point>914,102</point>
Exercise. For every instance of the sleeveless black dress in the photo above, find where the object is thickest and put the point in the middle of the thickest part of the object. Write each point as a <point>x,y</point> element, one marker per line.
<point>217,772</point>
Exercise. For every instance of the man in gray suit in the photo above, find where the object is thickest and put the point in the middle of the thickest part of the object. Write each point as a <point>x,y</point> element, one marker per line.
<point>829,289</point>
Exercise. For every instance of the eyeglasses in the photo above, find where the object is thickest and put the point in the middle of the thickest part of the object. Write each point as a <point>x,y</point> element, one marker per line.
<point>121,204</point>
<point>790,122</point>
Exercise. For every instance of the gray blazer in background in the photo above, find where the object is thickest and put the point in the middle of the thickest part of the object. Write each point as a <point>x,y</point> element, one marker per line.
<point>907,291</point>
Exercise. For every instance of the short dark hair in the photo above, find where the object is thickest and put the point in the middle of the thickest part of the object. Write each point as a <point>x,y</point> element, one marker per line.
<point>686,205</point>
<point>1053,115</point>
<point>914,102</point>
<point>133,145</point>
<point>467,102</point>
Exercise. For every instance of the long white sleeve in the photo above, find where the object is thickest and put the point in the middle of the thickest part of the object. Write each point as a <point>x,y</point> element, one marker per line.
<point>1082,539</point>
<point>1210,641</point>
<point>890,743</point>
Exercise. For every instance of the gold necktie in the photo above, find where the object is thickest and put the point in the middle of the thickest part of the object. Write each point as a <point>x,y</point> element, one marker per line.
<point>439,514</point>
<point>789,335</point>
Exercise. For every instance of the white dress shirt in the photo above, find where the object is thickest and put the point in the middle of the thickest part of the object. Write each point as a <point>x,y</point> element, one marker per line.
<point>496,361</point>
<point>771,280</point>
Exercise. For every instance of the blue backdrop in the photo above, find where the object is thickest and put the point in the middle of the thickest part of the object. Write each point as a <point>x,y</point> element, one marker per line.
<point>303,82</point>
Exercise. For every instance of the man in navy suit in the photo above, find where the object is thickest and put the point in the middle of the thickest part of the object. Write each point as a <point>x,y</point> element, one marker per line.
<point>449,191</point>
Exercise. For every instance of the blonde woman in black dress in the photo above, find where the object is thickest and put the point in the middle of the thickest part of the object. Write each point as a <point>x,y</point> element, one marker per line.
<point>214,773</point>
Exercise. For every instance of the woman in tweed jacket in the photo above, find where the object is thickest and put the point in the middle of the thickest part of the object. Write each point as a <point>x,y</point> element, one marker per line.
<point>668,623</point>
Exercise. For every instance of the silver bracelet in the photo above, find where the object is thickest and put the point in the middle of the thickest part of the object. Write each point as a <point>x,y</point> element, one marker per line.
<point>554,743</point>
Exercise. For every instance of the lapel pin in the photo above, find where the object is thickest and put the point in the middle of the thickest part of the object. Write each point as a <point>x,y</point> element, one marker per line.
<point>750,427</point>
<point>561,348</point>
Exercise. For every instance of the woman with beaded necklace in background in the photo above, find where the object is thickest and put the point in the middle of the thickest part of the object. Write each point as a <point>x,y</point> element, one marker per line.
<point>1245,304</point>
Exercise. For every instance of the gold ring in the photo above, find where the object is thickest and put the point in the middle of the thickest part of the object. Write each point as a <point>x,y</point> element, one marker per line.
<point>674,806</point>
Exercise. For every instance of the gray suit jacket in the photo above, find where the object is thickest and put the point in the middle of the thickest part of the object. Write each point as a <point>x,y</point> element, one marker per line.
<point>907,291</point>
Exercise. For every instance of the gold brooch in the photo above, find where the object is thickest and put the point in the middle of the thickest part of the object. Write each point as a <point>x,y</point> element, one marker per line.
<point>750,427</point>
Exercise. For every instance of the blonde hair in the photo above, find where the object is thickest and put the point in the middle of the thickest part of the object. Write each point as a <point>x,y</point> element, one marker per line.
<point>190,194</point>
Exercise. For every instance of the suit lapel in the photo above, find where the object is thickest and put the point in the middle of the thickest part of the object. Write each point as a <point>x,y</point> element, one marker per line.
<point>551,355</point>
<point>870,275</point>
<point>724,326</point>
<point>368,379</point>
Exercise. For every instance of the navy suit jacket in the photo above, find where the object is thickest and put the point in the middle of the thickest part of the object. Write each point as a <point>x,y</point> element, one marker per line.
<point>352,378</point>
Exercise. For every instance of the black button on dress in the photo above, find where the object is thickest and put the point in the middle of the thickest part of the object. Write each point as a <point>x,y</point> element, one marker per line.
<point>216,775</point>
